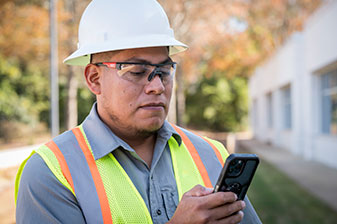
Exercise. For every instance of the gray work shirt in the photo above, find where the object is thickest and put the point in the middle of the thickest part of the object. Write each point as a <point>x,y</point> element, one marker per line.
<point>43,199</point>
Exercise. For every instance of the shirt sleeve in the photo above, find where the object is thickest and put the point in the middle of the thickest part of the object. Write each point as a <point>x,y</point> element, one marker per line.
<point>43,199</point>
<point>250,216</point>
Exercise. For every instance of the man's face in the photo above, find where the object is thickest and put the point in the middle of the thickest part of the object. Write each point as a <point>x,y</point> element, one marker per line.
<point>125,105</point>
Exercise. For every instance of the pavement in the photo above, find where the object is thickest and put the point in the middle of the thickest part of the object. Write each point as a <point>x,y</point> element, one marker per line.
<point>14,157</point>
<point>10,159</point>
<point>315,177</point>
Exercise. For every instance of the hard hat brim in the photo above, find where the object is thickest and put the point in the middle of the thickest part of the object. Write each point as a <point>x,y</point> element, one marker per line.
<point>82,55</point>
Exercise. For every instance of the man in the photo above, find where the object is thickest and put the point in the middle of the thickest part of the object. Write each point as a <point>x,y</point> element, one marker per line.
<point>125,163</point>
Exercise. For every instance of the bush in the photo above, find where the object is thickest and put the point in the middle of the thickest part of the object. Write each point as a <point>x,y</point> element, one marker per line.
<point>217,104</point>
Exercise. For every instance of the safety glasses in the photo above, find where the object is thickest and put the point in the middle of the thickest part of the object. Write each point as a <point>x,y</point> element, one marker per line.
<point>142,73</point>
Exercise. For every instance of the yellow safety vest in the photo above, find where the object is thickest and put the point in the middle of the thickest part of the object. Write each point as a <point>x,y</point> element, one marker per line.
<point>120,201</point>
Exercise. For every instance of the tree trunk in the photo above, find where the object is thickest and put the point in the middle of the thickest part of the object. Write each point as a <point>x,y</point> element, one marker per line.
<point>71,98</point>
<point>172,114</point>
<point>180,99</point>
<point>72,7</point>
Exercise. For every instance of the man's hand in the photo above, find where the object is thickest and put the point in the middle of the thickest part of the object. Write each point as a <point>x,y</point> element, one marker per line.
<point>199,205</point>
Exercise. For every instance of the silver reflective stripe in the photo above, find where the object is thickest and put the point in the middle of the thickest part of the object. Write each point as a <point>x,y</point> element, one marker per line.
<point>207,155</point>
<point>84,185</point>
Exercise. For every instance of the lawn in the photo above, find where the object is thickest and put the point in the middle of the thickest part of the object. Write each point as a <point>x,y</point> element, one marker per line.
<point>278,199</point>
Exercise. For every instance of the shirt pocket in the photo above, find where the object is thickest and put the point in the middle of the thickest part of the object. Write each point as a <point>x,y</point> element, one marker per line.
<point>170,203</point>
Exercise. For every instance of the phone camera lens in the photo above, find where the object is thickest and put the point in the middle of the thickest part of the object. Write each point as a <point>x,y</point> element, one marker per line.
<point>235,167</point>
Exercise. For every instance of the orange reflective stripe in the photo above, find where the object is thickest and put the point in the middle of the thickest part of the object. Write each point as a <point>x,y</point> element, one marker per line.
<point>195,156</point>
<point>63,164</point>
<point>217,153</point>
<point>103,200</point>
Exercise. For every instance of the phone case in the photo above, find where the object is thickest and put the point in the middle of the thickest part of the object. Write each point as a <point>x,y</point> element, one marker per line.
<point>237,174</point>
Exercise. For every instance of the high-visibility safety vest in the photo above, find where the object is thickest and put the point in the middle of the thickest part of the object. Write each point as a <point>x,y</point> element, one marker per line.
<point>117,200</point>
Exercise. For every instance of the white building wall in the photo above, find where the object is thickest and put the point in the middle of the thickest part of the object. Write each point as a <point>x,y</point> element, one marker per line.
<point>320,37</point>
<point>299,63</point>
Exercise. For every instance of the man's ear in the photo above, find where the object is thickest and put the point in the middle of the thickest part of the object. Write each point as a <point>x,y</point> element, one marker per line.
<point>92,76</point>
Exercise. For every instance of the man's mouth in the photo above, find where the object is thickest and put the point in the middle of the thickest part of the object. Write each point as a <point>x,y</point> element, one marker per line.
<point>153,106</point>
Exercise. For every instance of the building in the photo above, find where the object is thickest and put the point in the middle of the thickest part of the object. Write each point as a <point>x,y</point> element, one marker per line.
<point>293,94</point>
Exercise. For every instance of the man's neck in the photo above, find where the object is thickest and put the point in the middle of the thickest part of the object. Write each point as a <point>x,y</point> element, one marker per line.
<point>142,144</point>
<point>145,148</point>
<point>141,141</point>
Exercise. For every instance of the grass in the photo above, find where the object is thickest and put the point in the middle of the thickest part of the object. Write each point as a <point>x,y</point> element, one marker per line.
<point>278,199</point>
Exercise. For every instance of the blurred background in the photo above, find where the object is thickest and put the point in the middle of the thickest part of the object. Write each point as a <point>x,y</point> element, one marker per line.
<point>260,76</point>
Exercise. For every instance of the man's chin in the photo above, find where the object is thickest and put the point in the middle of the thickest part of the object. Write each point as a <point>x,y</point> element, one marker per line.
<point>152,125</point>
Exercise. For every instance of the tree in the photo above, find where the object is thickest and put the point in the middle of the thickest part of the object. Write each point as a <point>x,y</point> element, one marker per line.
<point>24,73</point>
<point>72,10</point>
<point>230,38</point>
<point>217,103</point>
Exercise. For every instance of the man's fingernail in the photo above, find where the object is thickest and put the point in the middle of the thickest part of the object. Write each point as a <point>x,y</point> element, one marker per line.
<point>236,197</point>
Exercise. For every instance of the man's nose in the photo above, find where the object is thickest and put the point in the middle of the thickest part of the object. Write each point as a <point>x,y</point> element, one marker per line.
<point>155,85</point>
<point>155,72</point>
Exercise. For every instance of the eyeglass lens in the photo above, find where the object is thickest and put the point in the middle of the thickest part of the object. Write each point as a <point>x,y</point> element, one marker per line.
<point>143,73</point>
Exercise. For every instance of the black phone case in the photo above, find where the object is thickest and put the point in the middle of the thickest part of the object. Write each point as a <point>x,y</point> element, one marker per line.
<point>237,174</point>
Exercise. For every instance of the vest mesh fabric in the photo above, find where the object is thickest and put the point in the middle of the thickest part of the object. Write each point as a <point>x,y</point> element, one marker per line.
<point>185,171</point>
<point>18,176</point>
<point>120,191</point>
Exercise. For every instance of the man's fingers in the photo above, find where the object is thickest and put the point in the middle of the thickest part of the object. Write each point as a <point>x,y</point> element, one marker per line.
<point>219,199</point>
<point>227,210</point>
<point>199,205</point>
<point>236,218</point>
<point>198,191</point>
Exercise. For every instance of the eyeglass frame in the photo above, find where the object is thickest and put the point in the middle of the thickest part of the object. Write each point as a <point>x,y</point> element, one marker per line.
<point>156,71</point>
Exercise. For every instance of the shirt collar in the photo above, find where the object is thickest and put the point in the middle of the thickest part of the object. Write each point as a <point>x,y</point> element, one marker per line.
<point>103,141</point>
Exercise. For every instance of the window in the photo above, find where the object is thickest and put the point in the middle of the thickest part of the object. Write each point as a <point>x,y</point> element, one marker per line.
<point>286,100</point>
<point>270,110</point>
<point>329,102</point>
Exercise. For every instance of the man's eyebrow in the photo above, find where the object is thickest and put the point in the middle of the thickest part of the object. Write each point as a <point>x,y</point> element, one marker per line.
<point>166,61</point>
<point>140,60</point>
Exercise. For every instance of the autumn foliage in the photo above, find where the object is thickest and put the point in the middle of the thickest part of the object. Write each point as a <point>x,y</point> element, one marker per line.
<point>227,39</point>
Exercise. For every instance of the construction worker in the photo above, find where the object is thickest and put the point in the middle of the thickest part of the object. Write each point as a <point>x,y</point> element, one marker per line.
<point>125,163</point>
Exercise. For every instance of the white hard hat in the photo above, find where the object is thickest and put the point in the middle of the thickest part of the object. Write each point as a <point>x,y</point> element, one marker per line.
<point>108,25</point>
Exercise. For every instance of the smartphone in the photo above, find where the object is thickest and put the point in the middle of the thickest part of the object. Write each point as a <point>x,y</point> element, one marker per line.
<point>237,174</point>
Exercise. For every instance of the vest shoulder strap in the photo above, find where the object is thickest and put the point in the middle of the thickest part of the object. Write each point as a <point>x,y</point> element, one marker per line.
<point>55,161</point>
<point>195,156</point>
<point>218,148</point>
<point>124,203</point>
<point>105,207</point>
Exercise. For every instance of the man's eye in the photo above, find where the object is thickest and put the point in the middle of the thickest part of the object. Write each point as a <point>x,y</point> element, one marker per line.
<point>137,73</point>
<point>165,73</point>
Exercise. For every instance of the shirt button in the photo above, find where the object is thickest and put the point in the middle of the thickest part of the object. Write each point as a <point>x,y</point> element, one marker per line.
<point>158,212</point>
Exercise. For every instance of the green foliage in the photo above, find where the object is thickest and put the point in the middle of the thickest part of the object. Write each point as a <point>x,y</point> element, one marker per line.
<point>85,100</point>
<point>23,93</point>
<point>217,103</point>
<point>23,98</point>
